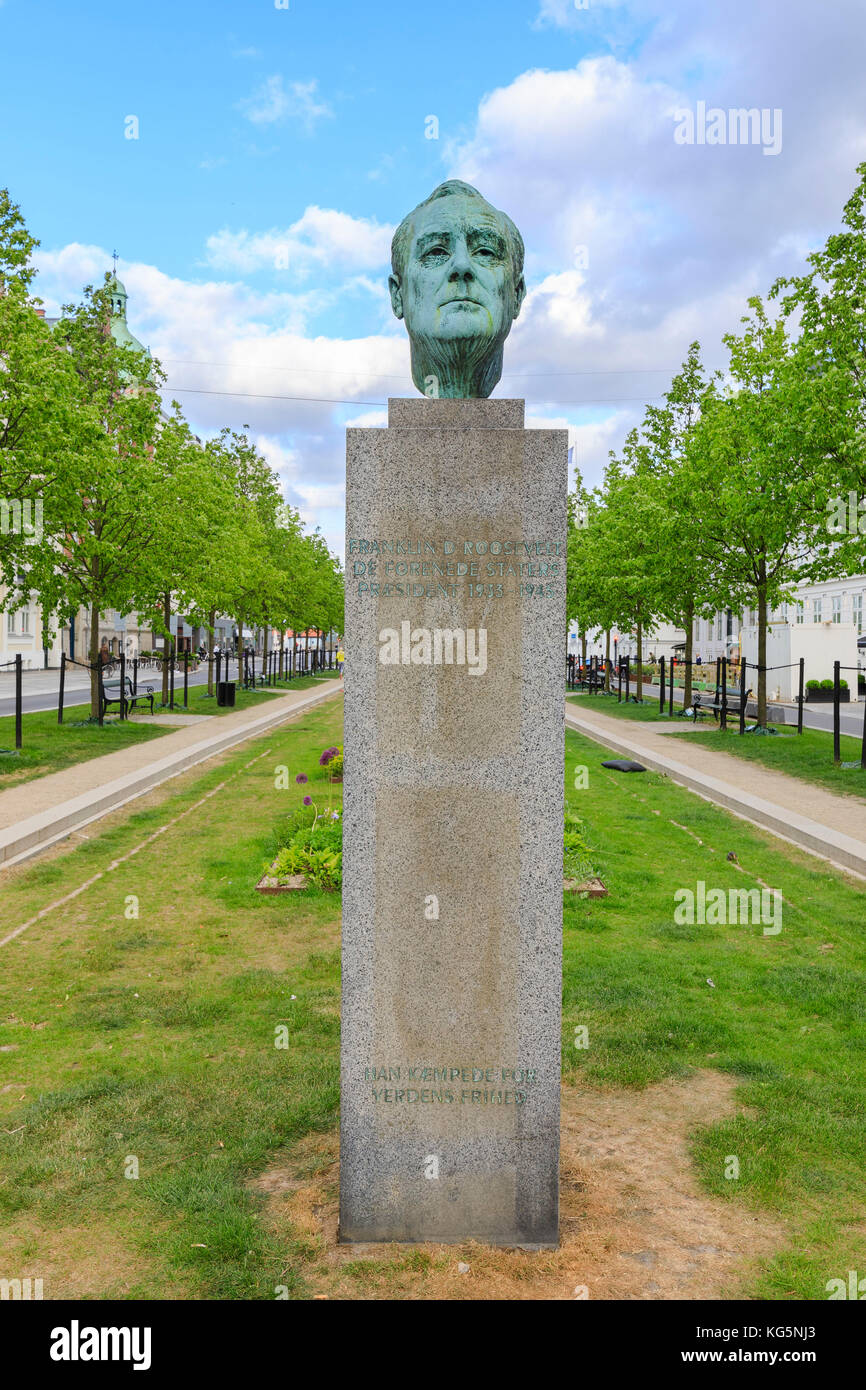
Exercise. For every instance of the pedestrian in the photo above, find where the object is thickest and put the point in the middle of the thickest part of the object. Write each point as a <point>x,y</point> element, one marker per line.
<point>341,660</point>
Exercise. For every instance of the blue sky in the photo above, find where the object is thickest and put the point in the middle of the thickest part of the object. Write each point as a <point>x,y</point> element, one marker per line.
<point>277,148</point>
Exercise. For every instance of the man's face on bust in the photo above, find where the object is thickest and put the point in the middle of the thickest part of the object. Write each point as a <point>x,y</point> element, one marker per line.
<point>459,277</point>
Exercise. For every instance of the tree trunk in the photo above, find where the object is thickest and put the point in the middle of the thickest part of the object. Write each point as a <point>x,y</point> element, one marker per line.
<point>688,624</point>
<point>212,624</point>
<point>639,672</point>
<point>583,649</point>
<point>762,652</point>
<point>166,644</point>
<point>607,662</point>
<point>95,658</point>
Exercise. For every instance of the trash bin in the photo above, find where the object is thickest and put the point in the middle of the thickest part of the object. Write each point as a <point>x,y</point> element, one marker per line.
<point>226,693</point>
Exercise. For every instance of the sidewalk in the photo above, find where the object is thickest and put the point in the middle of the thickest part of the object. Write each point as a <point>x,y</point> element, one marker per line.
<point>835,827</point>
<point>38,813</point>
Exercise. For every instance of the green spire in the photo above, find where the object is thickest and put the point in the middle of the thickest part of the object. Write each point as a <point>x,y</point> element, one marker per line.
<point>119,327</point>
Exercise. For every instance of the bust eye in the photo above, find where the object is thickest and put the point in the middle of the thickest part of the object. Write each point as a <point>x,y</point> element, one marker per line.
<point>435,253</point>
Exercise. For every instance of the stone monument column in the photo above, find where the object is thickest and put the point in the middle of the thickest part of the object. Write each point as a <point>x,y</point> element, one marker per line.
<point>453,823</point>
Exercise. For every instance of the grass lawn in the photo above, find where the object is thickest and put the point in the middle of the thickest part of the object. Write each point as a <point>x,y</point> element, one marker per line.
<point>50,747</point>
<point>153,1038</point>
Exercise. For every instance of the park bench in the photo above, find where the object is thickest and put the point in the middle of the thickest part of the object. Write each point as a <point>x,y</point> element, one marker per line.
<point>705,700</point>
<point>590,680</point>
<point>124,694</point>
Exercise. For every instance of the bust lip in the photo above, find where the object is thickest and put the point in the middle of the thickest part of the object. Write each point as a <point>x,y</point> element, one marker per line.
<point>461,299</point>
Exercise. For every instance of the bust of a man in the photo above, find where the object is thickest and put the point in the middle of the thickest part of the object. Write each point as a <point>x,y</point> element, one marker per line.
<point>457,280</point>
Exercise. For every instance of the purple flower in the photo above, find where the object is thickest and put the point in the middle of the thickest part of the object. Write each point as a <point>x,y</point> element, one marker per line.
<point>301,777</point>
<point>308,801</point>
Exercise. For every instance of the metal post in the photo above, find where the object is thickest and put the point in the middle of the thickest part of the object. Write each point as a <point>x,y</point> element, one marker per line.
<point>122,685</point>
<point>723,717</point>
<point>661,685</point>
<point>743,665</point>
<point>18,731</point>
<point>619,681</point>
<point>801,695</point>
<point>171,675</point>
<point>186,679</point>
<point>100,690</point>
<point>671,688</point>
<point>62,687</point>
<point>863,745</point>
<point>135,675</point>
<point>837,692</point>
<point>627,677</point>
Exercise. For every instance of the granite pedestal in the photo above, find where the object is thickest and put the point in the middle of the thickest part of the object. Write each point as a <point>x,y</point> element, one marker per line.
<point>453,794</point>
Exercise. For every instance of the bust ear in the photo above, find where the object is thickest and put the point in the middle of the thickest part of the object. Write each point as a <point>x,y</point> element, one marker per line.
<point>396,295</point>
<point>519,295</point>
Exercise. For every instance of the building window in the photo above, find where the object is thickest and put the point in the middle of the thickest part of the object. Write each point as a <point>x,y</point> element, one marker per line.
<point>800,612</point>
<point>857,612</point>
<point>836,606</point>
<point>720,632</point>
<point>10,624</point>
<point>817,610</point>
<point>25,622</point>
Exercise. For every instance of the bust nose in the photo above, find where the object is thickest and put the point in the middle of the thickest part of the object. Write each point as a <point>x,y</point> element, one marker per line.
<point>461,263</point>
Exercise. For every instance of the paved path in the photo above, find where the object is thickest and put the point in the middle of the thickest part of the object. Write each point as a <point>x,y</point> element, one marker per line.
<point>828,824</point>
<point>37,813</point>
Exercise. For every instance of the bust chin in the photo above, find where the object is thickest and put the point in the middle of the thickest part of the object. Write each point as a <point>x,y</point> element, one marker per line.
<point>457,281</point>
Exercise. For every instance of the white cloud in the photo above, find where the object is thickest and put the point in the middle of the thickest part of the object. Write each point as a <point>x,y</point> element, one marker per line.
<point>321,237</point>
<point>273,101</point>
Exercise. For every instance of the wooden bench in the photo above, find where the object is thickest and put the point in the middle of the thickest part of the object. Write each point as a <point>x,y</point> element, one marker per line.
<point>705,700</point>
<point>113,693</point>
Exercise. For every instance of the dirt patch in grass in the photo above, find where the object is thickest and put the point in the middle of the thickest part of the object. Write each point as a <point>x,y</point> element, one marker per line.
<point>74,1262</point>
<point>634,1222</point>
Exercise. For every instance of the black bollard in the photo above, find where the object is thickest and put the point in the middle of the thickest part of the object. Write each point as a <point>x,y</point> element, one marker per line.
<point>801,695</point>
<point>743,665</point>
<point>62,687</point>
<point>122,686</point>
<point>186,680</point>
<point>18,707</point>
<point>837,729</point>
<point>661,685</point>
<point>723,717</point>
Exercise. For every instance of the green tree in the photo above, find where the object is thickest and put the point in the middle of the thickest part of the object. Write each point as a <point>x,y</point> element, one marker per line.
<point>100,520</point>
<point>759,471</point>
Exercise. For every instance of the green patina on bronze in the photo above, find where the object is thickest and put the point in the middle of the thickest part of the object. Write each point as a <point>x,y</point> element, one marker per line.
<point>457,281</point>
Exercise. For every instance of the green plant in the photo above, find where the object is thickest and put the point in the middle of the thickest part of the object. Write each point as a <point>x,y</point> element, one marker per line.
<point>826,685</point>
<point>577,858</point>
<point>314,849</point>
<point>813,685</point>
